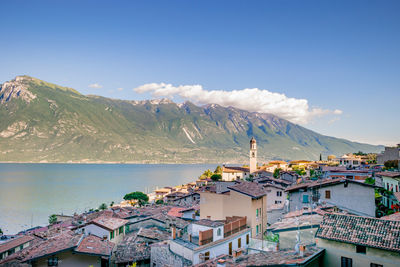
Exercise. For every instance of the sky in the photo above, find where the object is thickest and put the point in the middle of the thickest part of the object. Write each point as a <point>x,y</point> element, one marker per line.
<point>330,66</point>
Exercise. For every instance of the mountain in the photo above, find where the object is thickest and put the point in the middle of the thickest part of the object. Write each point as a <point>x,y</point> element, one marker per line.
<point>43,122</point>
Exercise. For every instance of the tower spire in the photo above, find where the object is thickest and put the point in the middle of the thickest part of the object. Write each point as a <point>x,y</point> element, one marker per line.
<point>253,155</point>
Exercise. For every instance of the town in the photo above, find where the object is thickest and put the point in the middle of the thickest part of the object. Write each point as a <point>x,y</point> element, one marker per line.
<point>335,211</point>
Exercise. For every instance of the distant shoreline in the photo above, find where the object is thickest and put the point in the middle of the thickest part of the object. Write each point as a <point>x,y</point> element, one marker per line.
<point>107,162</point>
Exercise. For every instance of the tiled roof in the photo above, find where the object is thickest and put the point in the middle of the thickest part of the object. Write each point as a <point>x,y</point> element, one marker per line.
<point>155,233</point>
<point>55,244</point>
<point>392,217</point>
<point>263,180</point>
<point>325,182</point>
<point>110,223</point>
<point>235,169</point>
<point>95,245</point>
<point>131,249</point>
<point>271,258</point>
<point>364,231</point>
<point>209,223</point>
<point>249,188</point>
<point>15,243</point>
<point>176,212</point>
<point>397,195</point>
<point>389,174</point>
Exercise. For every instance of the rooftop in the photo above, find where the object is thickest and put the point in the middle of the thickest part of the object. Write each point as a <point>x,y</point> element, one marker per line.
<point>251,189</point>
<point>371,232</point>
<point>276,258</point>
<point>209,223</point>
<point>95,245</point>
<point>325,182</point>
<point>110,223</point>
<point>389,174</point>
<point>392,217</point>
<point>15,243</point>
<point>63,241</point>
<point>235,169</point>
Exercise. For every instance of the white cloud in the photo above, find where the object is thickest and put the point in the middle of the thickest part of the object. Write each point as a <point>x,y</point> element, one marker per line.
<point>333,120</point>
<point>254,100</point>
<point>120,89</point>
<point>95,85</point>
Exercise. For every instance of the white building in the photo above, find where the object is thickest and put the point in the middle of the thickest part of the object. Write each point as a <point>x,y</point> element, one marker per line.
<point>105,227</point>
<point>237,173</point>
<point>209,239</point>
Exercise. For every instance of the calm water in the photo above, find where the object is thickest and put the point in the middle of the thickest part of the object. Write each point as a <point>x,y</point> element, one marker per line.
<point>29,193</point>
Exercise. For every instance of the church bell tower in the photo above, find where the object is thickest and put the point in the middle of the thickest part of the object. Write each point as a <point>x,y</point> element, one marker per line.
<point>253,155</point>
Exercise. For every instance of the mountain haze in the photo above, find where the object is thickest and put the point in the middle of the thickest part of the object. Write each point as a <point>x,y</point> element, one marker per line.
<point>43,122</point>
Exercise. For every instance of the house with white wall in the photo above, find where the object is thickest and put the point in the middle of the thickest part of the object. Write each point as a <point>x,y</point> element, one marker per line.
<point>207,239</point>
<point>110,228</point>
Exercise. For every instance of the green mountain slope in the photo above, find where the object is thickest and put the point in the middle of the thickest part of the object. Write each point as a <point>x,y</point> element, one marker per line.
<point>43,122</point>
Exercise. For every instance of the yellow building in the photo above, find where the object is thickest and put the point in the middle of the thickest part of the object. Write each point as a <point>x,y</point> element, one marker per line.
<point>244,199</point>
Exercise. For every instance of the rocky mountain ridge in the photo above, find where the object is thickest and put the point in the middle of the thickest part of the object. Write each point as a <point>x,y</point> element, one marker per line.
<point>44,122</point>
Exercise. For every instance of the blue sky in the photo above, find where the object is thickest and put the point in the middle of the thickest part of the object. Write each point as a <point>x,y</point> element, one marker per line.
<point>339,56</point>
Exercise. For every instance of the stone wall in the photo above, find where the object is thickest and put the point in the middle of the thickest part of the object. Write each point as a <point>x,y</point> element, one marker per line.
<point>161,255</point>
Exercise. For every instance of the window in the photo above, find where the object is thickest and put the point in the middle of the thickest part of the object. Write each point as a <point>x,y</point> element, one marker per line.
<point>121,230</point>
<point>328,194</point>
<point>278,202</point>
<point>257,211</point>
<point>305,198</point>
<point>257,229</point>
<point>346,262</point>
<point>111,235</point>
<point>53,261</point>
<point>278,193</point>
<point>11,251</point>
<point>230,248</point>
<point>219,232</point>
<point>207,256</point>
<point>361,249</point>
<point>247,239</point>
<point>21,247</point>
<point>376,265</point>
<point>239,243</point>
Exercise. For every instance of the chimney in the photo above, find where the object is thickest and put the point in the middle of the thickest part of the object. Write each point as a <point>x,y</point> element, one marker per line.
<point>302,250</point>
<point>221,263</point>
<point>173,231</point>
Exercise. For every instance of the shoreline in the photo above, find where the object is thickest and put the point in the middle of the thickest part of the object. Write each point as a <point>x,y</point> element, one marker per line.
<point>109,162</point>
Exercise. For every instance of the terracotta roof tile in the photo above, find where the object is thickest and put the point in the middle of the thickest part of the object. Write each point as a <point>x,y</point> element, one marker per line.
<point>249,188</point>
<point>364,231</point>
<point>95,245</point>
<point>15,243</point>
<point>110,223</point>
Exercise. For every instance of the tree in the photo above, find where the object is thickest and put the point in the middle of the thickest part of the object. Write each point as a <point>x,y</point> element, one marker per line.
<point>277,172</point>
<point>369,180</point>
<point>103,206</point>
<point>1,231</point>
<point>392,164</point>
<point>320,157</point>
<point>52,219</point>
<point>312,172</point>
<point>250,178</point>
<point>159,201</point>
<point>218,170</point>
<point>208,173</point>
<point>112,203</point>
<point>139,196</point>
<point>216,177</point>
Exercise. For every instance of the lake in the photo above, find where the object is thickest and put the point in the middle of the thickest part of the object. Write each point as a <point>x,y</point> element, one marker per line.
<point>29,193</point>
